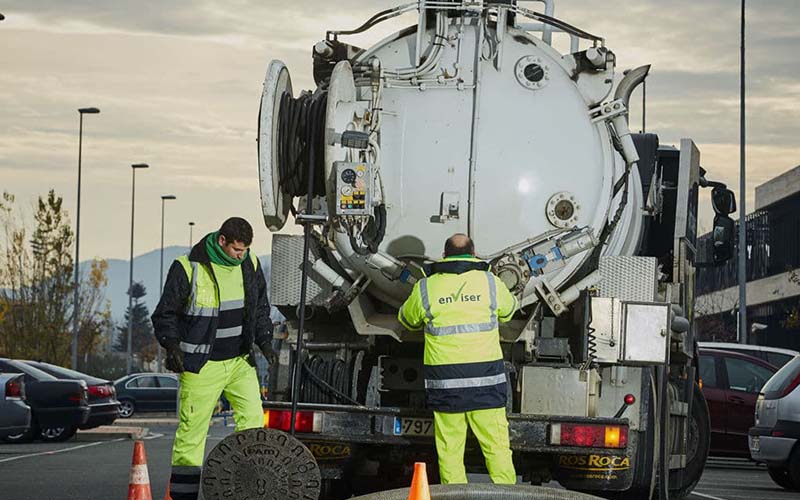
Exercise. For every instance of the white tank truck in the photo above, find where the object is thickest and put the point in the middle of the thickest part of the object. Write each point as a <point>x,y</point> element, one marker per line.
<point>470,121</point>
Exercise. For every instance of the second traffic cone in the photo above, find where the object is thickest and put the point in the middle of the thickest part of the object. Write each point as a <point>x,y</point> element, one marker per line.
<point>419,483</point>
<point>139,484</point>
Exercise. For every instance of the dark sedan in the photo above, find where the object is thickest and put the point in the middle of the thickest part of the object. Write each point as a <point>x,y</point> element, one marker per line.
<point>102,395</point>
<point>731,383</point>
<point>141,392</point>
<point>58,407</point>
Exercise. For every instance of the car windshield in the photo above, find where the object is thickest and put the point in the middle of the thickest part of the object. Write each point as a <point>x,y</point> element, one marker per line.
<point>775,387</point>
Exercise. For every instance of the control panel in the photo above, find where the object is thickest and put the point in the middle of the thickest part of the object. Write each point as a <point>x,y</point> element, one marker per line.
<point>353,188</point>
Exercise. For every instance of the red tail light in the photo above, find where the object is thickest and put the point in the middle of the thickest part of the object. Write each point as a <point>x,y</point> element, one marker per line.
<point>305,421</point>
<point>79,397</point>
<point>792,385</point>
<point>15,389</point>
<point>100,391</point>
<point>589,435</point>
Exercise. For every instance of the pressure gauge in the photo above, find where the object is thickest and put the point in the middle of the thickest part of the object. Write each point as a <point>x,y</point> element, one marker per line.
<point>349,176</point>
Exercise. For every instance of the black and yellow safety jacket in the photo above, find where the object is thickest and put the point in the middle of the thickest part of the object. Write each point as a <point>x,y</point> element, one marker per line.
<point>192,313</point>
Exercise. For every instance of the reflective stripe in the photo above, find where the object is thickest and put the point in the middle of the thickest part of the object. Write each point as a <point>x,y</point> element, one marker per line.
<point>187,470</point>
<point>465,383</point>
<point>193,299</point>
<point>184,487</point>
<point>224,333</point>
<point>195,348</point>
<point>455,329</point>
<point>205,312</point>
<point>229,305</point>
<point>426,301</point>
<point>492,297</point>
<point>513,308</point>
<point>402,317</point>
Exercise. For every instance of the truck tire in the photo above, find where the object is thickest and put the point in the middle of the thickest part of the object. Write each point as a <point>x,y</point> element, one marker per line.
<point>699,443</point>
<point>484,491</point>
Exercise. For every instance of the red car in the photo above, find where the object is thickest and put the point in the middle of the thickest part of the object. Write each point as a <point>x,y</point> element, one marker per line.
<point>731,383</point>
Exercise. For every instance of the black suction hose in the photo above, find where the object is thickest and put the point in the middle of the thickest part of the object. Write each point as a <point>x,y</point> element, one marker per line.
<point>484,491</point>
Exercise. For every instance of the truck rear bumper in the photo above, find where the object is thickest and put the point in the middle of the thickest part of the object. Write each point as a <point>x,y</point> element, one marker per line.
<point>348,432</point>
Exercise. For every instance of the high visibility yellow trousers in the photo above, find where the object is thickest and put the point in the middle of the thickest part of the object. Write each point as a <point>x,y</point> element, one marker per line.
<point>490,427</point>
<point>199,393</point>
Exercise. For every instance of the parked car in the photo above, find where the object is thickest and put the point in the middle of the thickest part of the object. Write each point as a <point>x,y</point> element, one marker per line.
<point>15,414</point>
<point>142,392</point>
<point>102,395</point>
<point>775,356</point>
<point>731,383</point>
<point>775,438</point>
<point>58,407</point>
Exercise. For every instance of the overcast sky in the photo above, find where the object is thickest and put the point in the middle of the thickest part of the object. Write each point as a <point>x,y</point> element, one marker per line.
<point>178,83</point>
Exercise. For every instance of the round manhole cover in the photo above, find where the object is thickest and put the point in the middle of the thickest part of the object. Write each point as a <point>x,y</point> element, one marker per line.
<point>260,464</point>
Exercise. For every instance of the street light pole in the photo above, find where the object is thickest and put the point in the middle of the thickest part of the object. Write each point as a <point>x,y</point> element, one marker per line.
<point>76,301</point>
<point>134,167</point>
<point>191,226</point>
<point>742,188</point>
<point>164,198</point>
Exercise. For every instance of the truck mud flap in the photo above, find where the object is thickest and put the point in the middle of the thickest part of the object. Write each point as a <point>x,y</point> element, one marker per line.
<point>595,472</point>
<point>261,463</point>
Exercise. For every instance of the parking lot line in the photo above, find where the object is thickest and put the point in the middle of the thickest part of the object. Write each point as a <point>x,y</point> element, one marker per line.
<point>710,497</point>
<point>53,452</point>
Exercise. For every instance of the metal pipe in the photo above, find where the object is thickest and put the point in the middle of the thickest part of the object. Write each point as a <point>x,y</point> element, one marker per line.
<point>473,156</point>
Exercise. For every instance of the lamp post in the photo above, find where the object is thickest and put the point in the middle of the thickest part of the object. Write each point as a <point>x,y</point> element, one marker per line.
<point>191,226</point>
<point>164,198</point>
<point>76,301</point>
<point>742,187</point>
<point>134,167</point>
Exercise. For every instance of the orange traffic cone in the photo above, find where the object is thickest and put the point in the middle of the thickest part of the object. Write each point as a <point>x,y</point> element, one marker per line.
<point>139,484</point>
<point>168,497</point>
<point>419,484</point>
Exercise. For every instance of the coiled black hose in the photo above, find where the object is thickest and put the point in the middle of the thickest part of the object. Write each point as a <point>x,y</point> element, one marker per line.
<point>301,129</point>
<point>328,382</point>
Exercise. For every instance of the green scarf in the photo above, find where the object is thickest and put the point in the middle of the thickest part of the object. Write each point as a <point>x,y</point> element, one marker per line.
<point>218,255</point>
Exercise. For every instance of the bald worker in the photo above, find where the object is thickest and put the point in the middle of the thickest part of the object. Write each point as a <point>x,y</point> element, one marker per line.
<point>459,306</point>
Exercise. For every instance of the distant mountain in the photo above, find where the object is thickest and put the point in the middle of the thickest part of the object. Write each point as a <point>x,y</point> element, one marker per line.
<point>145,270</point>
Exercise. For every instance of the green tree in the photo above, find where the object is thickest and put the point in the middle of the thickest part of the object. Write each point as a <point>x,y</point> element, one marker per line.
<point>144,343</point>
<point>37,284</point>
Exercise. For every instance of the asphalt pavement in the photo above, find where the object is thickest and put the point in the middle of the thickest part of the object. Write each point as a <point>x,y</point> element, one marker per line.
<point>99,469</point>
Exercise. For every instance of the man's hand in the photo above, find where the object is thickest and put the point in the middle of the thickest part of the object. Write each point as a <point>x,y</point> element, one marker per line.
<point>269,353</point>
<point>174,357</point>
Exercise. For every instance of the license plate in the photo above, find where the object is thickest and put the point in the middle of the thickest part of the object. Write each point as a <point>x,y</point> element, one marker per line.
<point>413,426</point>
<point>755,443</point>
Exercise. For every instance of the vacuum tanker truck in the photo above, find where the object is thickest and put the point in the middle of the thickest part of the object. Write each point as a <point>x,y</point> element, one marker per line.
<point>470,121</point>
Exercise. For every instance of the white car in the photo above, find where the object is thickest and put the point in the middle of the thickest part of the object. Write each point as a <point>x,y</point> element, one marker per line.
<point>775,439</point>
<point>775,356</point>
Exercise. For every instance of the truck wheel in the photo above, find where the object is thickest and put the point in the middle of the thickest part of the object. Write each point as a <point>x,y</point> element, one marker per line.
<point>699,443</point>
<point>781,477</point>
